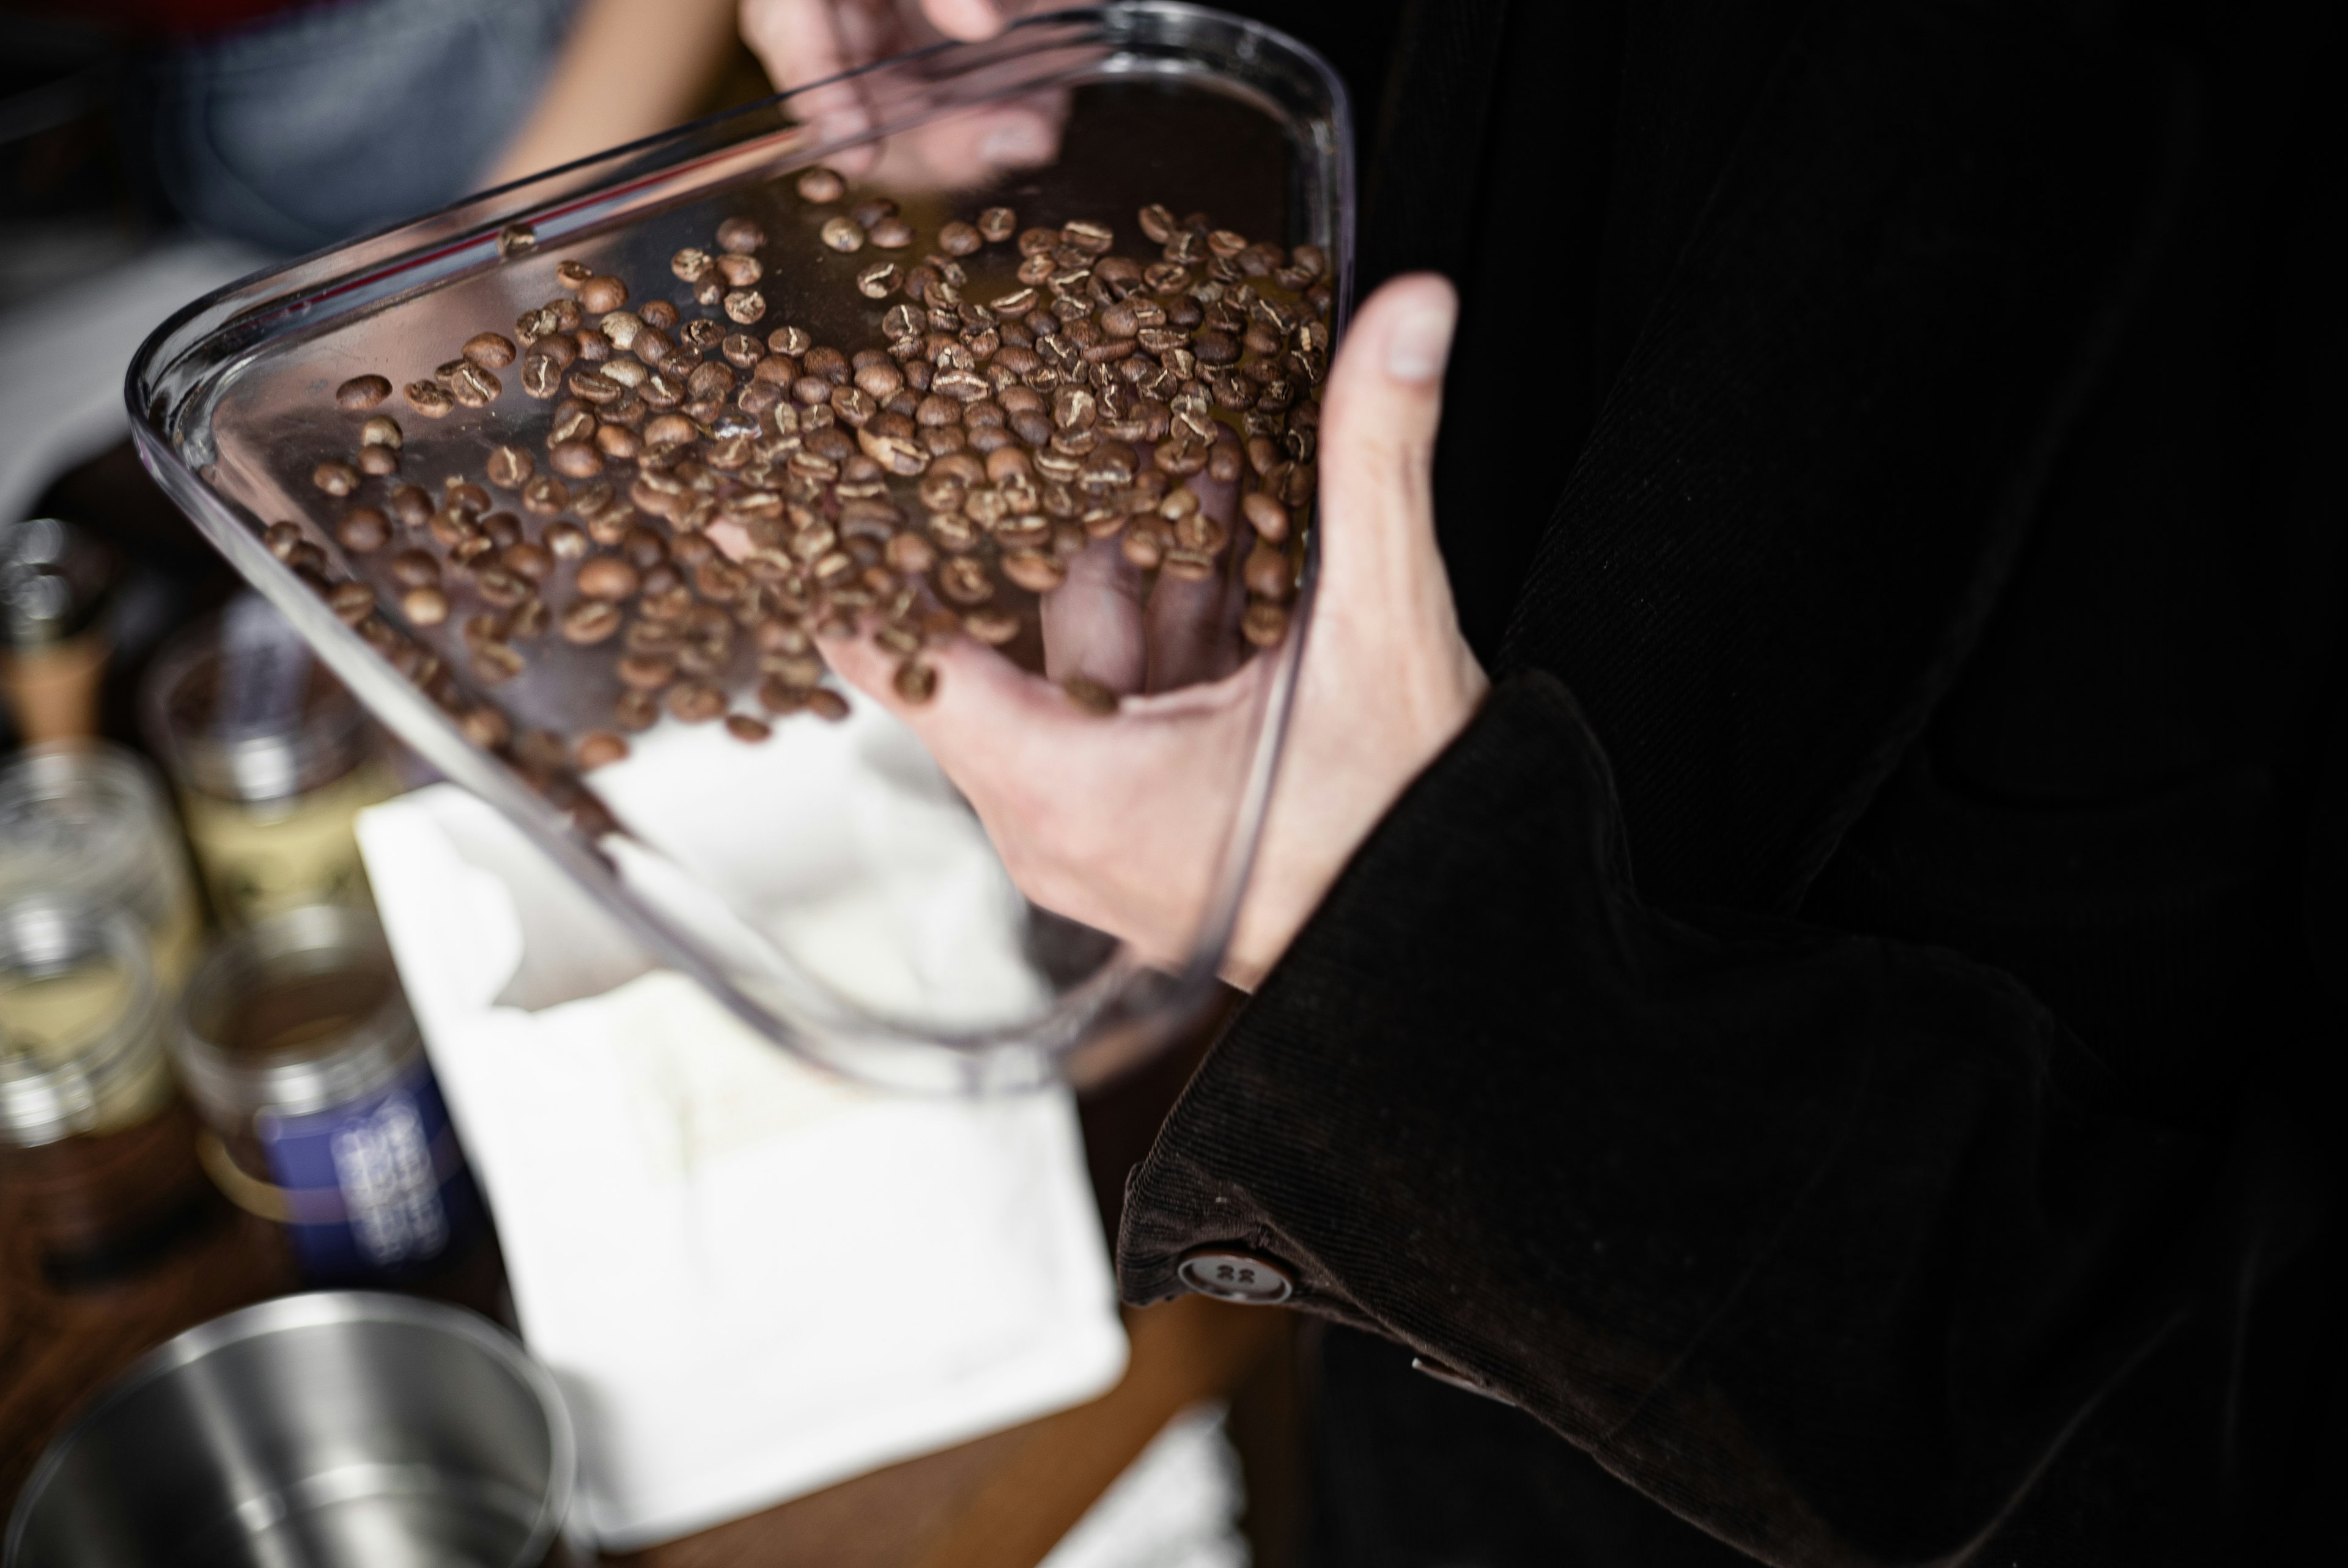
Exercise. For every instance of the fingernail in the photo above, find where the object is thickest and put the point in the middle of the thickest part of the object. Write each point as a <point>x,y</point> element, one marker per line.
<point>1419,342</point>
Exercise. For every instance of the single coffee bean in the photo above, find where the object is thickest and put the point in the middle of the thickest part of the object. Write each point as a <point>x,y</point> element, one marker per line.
<point>821,185</point>
<point>740,236</point>
<point>573,275</point>
<point>646,672</point>
<point>567,540</point>
<point>1144,543</point>
<point>1034,571</point>
<point>424,605</point>
<point>509,468</point>
<point>381,431</point>
<point>334,478</point>
<point>1265,624</point>
<point>997,223</point>
<point>363,530</point>
<point>740,272</point>
<point>877,282</point>
<point>579,459</point>
<point>826,704</point>
<point>1267,574</point>
<point>1265,515</point>
<point>872,210</point>
<point>692,265</point>
<point>892,233</point>
<point>695,701</point>
<point>545,495</point>
<point>589,621</point>
<point>746,729</point>
<point>843,234</point>
<point>616,442</point>
<point>414,568</point>
<point>541,376</point>
<point>378,461</point>
<point>600,749</point>
<point>411,504</point>
<point>991,625</point>
<point>744,306</point>
<point>635,710</point>
<point>602,293</point>
<point>427,398</point>
<point>1158,224</point>
<point>362,392</point>
<point>490,350</point>
<point>471,386</point>
<point>608,578</point>
<point>1223,462</point>
<point>1090,238</point>
<point>525,559</point>
<point>915,682</point>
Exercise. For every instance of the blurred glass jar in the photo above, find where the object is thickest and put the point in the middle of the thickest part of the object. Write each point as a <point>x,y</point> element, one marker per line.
<point>296,1041</point>
<point>273,759</point>
<point>86,821</point>
<point>97,1149</point>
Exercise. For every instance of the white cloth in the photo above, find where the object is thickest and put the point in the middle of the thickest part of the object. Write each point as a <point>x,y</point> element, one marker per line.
<point>1176,1506</point>
<point>750,1278</point>
<point>63,355</point>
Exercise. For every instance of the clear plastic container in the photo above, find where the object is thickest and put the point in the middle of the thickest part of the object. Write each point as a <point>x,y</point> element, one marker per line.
<point>828,884</point>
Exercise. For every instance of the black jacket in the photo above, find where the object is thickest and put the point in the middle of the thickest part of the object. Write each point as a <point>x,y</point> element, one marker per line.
<point>1849,1036</point>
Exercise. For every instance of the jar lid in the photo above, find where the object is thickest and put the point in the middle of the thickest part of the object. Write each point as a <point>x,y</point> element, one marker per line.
<point>86,819</point>
<point>80,1017</point>
<point>243,711</point>
<point>298,1013</point>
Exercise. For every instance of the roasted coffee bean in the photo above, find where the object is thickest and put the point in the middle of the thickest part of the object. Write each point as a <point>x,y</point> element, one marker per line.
<point>352,602</point>
<point>740,236</point>
<point>335,477</point>
<point>573,275</point>
<point>600,749</point>
<point>602,293</point>
<point>362,392</point>
<point>582,459</point>
<point>1144,543</point>
<point>914,682</point>
<point>1034,571</point>
<point>991,625</point>
<point>545,495</point>
<point>414,568</point>
<point>541,376</point>
<point>746,729</point>
<point>378,461</point>
<point>1265,624</point>
<point>1092,239</point>
<point>821,185</point>
<point>1265,515</point>
<point>620,329</point>
<point>843,234</point>
<point>429,398</point>
<point>877,282</point>
<point>501,587</point>
<point>608,578</point>
<point>424,605</point>
<point>695,701</point>
<point>636,710</point>
<point>1267,574</point>
<point>529,560</point>
<point>645,671</point>
<point>567,540</point>
<point>411,505</point>
<point>872,210</point>
<point>490,350</point>
<point>471,386</point>
<point>589,621</point>
<point>1223,462</point>
<point>744,306</point>
<point>740,272</point>
<point>363,530</point>
<point>891,233</point>
<point>509,468</point>
<point>997,225</point>
<point>826,704</point>
<point>791,341</point>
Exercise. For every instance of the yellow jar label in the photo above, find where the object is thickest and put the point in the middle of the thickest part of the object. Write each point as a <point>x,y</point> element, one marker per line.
<point>260,860</point>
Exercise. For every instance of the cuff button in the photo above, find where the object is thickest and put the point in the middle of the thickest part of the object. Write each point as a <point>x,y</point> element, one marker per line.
<point>1228,1275</point>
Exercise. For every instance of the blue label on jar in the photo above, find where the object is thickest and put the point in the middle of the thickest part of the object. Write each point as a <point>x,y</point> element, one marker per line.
<point>376,1186</point>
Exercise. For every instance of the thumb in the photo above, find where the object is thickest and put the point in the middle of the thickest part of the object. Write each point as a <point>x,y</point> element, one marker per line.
<point>1378,419</point>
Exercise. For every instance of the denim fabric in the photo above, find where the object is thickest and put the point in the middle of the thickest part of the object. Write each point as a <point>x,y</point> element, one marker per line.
<point>342,117</point>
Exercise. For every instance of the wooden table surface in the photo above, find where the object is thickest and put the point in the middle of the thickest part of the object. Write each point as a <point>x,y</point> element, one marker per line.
<point>1001,1501</point>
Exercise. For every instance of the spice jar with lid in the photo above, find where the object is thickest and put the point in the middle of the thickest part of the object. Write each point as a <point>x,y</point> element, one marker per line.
<point>274,758</point>
<point>97,1148</point>
<point>86,821</point>
<point>296,1041</point>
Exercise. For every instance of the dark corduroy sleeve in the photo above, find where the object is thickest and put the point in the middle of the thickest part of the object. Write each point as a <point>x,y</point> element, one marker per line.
<point>1821,1241</point>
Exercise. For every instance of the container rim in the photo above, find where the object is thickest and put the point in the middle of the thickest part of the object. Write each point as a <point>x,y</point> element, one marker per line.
<point>328,1309</point>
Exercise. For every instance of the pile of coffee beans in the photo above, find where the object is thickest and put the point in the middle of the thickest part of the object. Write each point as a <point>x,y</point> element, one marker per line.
<point>705,491</point>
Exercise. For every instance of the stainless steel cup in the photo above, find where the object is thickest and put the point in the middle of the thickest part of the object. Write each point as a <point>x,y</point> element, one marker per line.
<point>339,1428</point>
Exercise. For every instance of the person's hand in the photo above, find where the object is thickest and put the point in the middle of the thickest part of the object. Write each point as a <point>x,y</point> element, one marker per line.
<point>1121,821</point>
<point>807,41</point>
